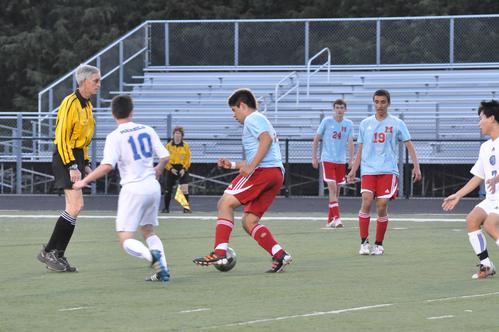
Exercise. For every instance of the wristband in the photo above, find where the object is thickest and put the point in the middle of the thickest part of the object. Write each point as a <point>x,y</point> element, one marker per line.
<point>73,167</point>
<point>232,165</point>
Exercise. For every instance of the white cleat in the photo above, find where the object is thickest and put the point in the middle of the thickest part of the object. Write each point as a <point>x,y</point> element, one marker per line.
<point>364,249</point>
<point>484,271</point>
<point>377,250</point>
<point>335,223</point>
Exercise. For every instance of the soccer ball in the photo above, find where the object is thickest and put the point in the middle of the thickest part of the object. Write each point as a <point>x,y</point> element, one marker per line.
<point>231,261</point>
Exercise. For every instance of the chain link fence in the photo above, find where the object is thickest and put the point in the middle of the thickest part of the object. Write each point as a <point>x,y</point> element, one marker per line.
<point>445,166</point>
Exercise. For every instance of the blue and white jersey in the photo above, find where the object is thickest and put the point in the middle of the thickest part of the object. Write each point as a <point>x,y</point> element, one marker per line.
<point>486,166</point>
<point>254,125</point>
<point>380,144</point>
<point>335,136</point>
<point>132,146</point>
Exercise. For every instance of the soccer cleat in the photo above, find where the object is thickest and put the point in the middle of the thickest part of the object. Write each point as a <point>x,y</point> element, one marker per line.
<point>187,211</point>
<point>377,250</point>
<point>364,249</point>
<point>337,223</point>
<point>51,260</point>
<point>68,267</point>
<point>165,211</point>
<point>484,271</point>
<point>211,259</point>
<point>161,271</point>
<point>279,263</point>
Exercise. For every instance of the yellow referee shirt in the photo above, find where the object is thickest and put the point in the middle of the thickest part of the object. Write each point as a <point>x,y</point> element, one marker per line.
<point>75,126</point>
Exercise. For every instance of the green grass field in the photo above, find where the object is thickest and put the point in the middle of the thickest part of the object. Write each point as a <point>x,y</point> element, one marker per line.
<point>422,283</point>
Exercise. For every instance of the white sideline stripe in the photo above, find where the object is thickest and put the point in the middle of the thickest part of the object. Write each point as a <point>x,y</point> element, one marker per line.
<point>75,308</point>
<point>440,317</point>
<point>51,216</point>
<point>462,297</point>
<point>194,310</point>
<point>312,314</point>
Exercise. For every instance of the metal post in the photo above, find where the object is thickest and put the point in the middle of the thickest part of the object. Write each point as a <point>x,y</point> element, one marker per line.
<point>97,98</point>
<point>167,44</point>
<point>236,44</point>
<point>288,178</point>
<point>168,126</point>
<point>401,163</point>
<point>147,55</point>
<point>19,161</point>
<point>93,149</point>
<point>307,41</point>
<point>321,182</point>
<point>451,41</point>
<point>120,54</point>
<point>378,41</point>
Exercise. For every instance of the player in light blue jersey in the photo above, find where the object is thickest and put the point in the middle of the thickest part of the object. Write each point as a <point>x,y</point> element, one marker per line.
<point>336,133</point>
<point>132,147</point>
<point>486,168</point>
<point>377,156</point>
<point>260,179</point>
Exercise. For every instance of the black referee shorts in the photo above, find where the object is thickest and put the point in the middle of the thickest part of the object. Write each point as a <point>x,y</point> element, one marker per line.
<point>61,172</point>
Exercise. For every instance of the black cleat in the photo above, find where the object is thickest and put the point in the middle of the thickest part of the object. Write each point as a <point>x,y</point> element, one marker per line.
<point>211,259</point>
<point>51,260</point>
<point>279,263</point>
<point>68,267</point>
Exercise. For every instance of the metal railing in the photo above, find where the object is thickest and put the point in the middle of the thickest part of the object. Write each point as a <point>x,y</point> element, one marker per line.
<point>295,86</point>
<point>326,64</point>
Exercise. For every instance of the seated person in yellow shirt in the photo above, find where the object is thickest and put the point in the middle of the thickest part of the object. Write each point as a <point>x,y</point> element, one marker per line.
<point>177,168</point>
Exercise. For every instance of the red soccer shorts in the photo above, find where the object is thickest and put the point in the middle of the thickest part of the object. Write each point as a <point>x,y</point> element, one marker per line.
<point>258,190</point>
<point>333,172</point>
<point>381,185</point>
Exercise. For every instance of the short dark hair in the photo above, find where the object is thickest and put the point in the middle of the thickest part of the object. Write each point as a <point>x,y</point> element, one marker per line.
<point>243,96</point>
<point>122,106</point>
<point>489,108</point>
<point>382,93</point>
<point>339,102</point>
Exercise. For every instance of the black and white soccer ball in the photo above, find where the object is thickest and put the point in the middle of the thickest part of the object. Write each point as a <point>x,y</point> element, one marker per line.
<point>231,261</point>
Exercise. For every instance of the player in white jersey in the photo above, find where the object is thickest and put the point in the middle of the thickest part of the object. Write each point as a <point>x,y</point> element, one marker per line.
<point>486,169</point>
<point>377,156</point>
<point>260,179</point>
<point>336,133</point>
<point>132,147</point>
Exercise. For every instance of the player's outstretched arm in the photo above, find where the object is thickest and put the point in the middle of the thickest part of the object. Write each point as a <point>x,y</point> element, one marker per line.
<point>451,201</point>
<point>99,172</point>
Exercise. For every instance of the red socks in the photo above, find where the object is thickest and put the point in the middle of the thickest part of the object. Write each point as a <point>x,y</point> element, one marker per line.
<point>264,237</point>
<point>381,225</point>
<point>223,230</point>
<point>334,212</point>
<point>364,220</point>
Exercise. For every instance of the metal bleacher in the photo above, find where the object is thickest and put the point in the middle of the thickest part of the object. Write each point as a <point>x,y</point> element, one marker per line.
<point>435,104</point>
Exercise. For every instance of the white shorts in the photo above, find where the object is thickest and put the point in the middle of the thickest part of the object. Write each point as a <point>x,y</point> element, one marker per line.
<point>138,205</point>
<point>489,206</point>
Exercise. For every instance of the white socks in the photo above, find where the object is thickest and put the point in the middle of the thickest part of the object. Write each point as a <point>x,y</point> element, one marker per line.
<point>154,243</point>
<point>479,244</point>
<point>138,249</point>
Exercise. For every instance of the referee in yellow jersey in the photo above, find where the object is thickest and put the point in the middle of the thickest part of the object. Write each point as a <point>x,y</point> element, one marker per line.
<point>70,163</point>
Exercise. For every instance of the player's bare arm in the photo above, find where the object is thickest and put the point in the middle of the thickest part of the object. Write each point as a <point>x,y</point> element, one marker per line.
<point>315,144</point>
<point>264,146</point>
<point>161,166</point>
<point>416,171</point>
<point>350,152</point>
<point>451,201</point>
<point>355,166</point>
<point>97,173</point>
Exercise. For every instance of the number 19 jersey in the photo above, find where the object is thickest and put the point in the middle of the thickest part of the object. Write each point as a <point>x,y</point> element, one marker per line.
<point>379,141</point>
<point>132,146</point>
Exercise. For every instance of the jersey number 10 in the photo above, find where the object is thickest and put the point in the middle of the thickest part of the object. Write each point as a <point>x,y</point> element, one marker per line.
<point>145,146</point>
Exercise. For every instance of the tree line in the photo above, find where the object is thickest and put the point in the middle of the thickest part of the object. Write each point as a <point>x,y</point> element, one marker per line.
<point>42,40</point>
